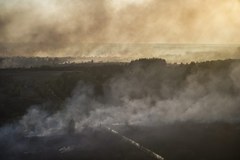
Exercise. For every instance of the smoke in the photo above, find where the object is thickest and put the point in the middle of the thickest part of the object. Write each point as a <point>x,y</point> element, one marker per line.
<point>147,96</point>
<point>60,28</point>
<point>235,75</point>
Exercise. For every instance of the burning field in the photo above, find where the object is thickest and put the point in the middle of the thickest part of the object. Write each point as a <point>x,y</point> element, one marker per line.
<point>145,109</point>
<point>119,79</point>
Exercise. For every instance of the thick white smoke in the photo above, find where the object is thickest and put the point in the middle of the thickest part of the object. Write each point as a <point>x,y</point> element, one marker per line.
<point>142,96</point>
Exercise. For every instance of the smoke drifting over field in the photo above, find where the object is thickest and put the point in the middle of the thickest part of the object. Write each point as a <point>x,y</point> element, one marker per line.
<point>172,110</point>
<point>63,28</point>
<point>147,96</point>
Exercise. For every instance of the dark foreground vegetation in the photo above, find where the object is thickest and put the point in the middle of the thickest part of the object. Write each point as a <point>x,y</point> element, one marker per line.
<point>21,88</point>
<point>50,86</point>
<point>182,141</point>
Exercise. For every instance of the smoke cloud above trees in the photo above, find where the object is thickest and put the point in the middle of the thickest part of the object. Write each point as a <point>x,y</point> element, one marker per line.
<point>60,28</point>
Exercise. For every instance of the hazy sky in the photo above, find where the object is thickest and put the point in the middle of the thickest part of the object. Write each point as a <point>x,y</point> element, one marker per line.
<point>80,27</point>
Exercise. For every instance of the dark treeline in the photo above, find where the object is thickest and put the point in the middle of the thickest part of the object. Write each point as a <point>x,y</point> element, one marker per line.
<point>28,62</point>
<point>47,62</point>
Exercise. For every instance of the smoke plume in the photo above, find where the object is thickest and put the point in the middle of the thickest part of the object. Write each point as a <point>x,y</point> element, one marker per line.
<point>148,96</point>
<point>60,28</point>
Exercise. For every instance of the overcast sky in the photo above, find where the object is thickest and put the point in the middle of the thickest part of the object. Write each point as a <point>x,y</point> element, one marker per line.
<point>67,27</point>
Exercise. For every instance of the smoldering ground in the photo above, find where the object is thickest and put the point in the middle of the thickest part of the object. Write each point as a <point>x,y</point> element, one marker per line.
<point>145,95</point>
